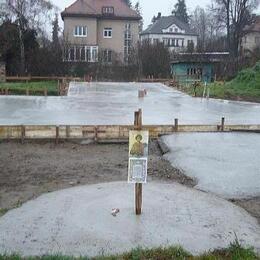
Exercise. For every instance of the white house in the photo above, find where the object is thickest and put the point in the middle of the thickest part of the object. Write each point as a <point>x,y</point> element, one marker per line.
<point>172,32</point>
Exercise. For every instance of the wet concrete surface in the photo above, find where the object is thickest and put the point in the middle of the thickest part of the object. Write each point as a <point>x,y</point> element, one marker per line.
<point>115,103</point>
<point>78,221</point>
<point>226,164</point>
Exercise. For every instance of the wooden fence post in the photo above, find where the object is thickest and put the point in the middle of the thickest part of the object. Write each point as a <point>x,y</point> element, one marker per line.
<point>57,135</point>
<point>67,131</point>
<point>222,124</point>
<point>176,124</point>
<point>45,91</point>
<point>138,186</point>
<point>22,134</point>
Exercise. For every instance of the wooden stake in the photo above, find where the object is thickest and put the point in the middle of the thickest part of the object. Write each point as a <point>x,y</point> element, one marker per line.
<point>67,131</point>
<point>57,135</point>
<point>176,124</point>
<point>222,124</point>
<point>138,186</point>
<point>22,133</point>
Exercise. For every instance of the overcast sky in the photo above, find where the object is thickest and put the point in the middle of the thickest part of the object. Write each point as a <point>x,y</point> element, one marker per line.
<point>149,7</point>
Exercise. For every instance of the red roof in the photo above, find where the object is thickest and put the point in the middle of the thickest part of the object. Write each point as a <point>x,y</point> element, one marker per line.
<point>93,8</point>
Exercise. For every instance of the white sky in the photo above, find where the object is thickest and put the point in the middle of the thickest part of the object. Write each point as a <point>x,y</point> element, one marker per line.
<point>149,7</point>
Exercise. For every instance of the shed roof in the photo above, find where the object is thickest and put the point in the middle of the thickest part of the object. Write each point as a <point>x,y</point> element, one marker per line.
<point>93,8</point>
<point>206,57</point>
<point>165,22</point>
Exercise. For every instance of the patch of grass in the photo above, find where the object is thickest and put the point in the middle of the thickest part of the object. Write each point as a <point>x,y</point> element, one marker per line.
<point>35,88</point>
<point>3,211</point>
<point>234,252</point>
<point>246,86</point>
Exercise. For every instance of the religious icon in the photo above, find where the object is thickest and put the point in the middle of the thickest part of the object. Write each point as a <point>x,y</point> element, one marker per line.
<point>138,144</point>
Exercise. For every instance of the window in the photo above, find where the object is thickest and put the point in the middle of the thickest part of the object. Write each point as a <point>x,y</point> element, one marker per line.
<point>127,42</point>
<point>82,54</point>
<point>107,56</point>
<point>80,31</point>
<point>107,33</point>
<point>257,40</point>
<point>108,10</point>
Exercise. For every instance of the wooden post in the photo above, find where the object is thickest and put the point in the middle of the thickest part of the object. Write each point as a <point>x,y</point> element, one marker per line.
<point>6,91</point>
<point>176,124</point>
<point>45,92</point>
<point>67,131</point>
<point>22,134</point>
<point>27,92</point>
<point>96,134</point>
<point>57,135</point>
<point>222,124</point>
<point>138,186</point>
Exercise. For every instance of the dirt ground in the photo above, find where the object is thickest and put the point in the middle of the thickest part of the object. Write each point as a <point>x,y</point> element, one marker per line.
<point>31,169</point>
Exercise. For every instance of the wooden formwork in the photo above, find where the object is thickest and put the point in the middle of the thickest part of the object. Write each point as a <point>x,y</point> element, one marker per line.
<point>108,132</point>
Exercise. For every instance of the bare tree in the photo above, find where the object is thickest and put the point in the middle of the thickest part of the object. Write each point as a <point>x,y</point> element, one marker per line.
<point>236,14</point>
<point>199,24</point>
<point>28,14</point>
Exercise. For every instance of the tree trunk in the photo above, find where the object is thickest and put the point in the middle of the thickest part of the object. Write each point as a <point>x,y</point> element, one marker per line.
<point>228,25</point>
<point>22,52</point>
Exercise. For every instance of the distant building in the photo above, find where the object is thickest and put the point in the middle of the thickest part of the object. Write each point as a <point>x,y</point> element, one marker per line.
<point>172,32</point>
<point>251,38</point>
<point>99,29</point>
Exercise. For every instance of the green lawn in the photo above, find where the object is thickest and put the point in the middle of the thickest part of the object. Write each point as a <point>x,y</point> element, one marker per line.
<point>230,90</point>
<point>245,86</point>
<point>35,88</point>
<point>234,252</point>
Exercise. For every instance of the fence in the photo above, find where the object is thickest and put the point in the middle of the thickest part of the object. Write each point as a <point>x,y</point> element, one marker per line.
<point>109,133</point>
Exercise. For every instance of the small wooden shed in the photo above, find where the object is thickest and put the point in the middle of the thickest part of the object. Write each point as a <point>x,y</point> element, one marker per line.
<point>190,67</point>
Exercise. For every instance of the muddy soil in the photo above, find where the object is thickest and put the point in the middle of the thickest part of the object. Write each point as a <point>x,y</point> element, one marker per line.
<point>31,169</point>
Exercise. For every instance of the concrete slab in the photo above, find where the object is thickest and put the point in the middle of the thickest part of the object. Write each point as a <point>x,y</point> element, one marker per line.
<point>115,103</point>
<point>78,221</point>
<point>226,164</point>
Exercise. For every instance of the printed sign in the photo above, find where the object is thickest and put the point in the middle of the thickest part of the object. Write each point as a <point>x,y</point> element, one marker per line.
<point>138,154</point>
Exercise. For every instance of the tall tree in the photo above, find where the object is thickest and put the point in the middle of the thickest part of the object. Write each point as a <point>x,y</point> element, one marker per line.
<point>180,11</point>
<point>55,31</point>
<point>199,24</point>
<point>28,14</point>
<point>139,12</point>
<point>128,2</point>
<point>236,14</point>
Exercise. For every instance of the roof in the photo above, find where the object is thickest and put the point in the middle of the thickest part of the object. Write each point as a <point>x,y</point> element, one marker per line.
<point>93,8</point>
<point>165,22</point>
<point>197,57</point>
<point>255,26</point>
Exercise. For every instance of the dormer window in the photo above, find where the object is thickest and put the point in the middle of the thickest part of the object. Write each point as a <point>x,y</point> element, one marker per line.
<point>108,10</point>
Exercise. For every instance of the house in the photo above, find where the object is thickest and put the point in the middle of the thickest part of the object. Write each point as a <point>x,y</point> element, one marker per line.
<point>99,29</point>
<point>251,38</point>
<point>172,32</point>
<point>190,67</point>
